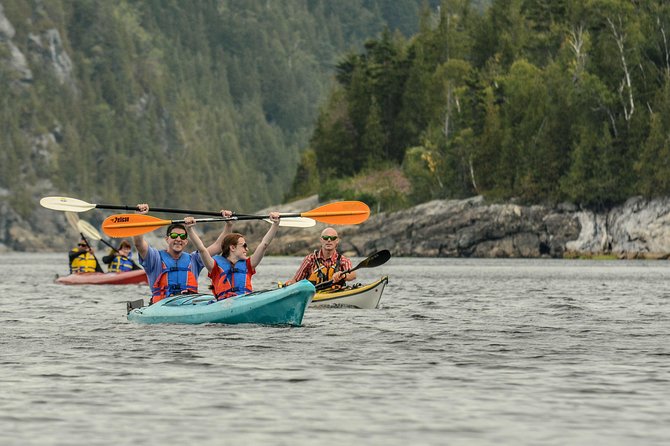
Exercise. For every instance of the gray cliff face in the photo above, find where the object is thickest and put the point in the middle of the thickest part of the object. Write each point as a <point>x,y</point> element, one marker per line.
<point>472,228</point>
<point>638,229</point>
<point>467,228</point>
<point>442,228</point>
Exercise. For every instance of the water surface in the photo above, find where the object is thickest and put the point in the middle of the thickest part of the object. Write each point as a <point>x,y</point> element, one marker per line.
<point>473,351</point>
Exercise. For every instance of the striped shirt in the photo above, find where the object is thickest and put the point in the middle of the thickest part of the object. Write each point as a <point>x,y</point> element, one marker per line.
<point>309,264</point>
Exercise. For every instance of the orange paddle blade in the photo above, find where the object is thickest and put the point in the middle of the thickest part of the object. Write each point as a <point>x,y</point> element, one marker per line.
<point>340,213</point>
<point>129,225</point>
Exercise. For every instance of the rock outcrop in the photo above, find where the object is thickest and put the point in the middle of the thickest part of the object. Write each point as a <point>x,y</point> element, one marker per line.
<point>473,228</point>
<point>441,228</point>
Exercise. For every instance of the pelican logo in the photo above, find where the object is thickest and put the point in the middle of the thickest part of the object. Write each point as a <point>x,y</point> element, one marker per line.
<point>121,219</point>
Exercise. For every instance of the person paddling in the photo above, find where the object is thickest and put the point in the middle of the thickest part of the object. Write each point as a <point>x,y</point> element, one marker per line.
<point>173,270</point>
<point>231,271</point>
<point>120,260</point>
<point>82,259</point>
<point>325,264</point>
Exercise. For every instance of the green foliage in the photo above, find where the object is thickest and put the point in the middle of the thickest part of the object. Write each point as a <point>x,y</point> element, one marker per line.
<point>206,103</point>
<point>419,167</point>
<point>653,165</point>
<point>306,180</point>
<point>529,100</point>
<point>383,188</point>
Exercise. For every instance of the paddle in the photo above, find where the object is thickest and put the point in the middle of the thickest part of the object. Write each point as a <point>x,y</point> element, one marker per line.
<point>376,259</point>
<point>85,227</point>
<point>93,233</point>
<point>74,221</point>
<point>338,213</point>
<point>76,205</point>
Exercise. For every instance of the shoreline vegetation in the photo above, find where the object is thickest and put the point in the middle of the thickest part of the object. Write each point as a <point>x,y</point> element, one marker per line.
<point>466,133</point>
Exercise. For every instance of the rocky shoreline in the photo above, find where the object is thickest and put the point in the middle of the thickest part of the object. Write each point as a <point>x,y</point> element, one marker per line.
<point>471,227</point>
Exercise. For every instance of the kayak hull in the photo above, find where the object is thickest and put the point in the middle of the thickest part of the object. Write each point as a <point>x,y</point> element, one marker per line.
<point>282,306</point>
<point>363,296</point>
<point>134,277</point>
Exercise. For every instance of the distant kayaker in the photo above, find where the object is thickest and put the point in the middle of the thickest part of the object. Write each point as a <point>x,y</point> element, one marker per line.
<point>120,260</point>
<point>231,271</point>
<point>325,264</point>
<point>82,259</point>
<point>173,271</point>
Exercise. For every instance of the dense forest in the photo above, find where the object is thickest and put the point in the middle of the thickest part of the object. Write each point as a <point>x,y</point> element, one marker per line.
<point>198,104</point>
<point>537,101</point>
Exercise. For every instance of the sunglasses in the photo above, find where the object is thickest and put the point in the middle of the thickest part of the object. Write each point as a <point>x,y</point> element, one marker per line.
<point>329,237</point>
<point>244,245</point>
<point>174,235</point>
<point>83,244</point>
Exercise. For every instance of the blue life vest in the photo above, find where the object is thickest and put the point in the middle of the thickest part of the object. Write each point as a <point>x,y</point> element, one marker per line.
<point>233,279</point>
<point>120,264</point>
<point>179,277</point>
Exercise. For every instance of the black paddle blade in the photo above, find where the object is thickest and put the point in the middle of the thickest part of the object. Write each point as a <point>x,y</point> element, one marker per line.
<point>376,259</point>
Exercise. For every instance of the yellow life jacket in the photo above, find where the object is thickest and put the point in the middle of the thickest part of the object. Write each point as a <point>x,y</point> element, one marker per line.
<point>321,272</point>
<point>83,263</point>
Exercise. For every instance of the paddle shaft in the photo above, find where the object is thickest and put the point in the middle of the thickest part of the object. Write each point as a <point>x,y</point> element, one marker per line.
<point>157,223</point>
<point>343,212</point>
<point>118,252</point>
<point>167,210</point>
<point>329,283</point>
<point>314,215</point>
<point>89,247</point>
<point>376,259</point>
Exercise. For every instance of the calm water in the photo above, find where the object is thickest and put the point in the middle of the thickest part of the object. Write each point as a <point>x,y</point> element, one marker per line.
<point>476,352</point>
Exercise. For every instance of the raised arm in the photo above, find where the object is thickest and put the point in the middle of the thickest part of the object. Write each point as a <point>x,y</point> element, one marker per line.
<point>215,248</point>
<point>207,259</point>
<point>259,252</point>
<point>140,244</point>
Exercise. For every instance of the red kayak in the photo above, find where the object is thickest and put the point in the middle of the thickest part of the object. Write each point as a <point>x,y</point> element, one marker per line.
<point>137,276</point>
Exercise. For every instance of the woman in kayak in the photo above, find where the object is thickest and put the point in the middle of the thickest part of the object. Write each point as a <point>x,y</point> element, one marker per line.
<point>231,271</point>
<point>119,260</point>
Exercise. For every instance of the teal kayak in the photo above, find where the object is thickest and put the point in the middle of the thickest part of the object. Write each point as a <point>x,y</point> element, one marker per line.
<point>281,306</point>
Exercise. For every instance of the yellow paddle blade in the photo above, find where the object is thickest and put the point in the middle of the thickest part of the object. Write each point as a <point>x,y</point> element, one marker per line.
<point>88,230</point>
<point>340,213</point>
<point>72,218</point>
<point>129,225</point>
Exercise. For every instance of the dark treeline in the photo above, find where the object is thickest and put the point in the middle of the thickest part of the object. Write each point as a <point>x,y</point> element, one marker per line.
<point>199,104</point>
<point>532,100</point>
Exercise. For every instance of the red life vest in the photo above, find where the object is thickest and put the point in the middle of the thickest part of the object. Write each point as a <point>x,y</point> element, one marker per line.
<point>231,280</point>
<point>175,278</point>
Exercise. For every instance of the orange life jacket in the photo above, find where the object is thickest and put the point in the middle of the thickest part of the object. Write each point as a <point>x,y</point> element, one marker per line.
<point>231,280</point>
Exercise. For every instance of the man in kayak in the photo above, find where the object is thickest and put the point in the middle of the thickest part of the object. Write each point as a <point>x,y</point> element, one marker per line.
<point>173,270</point>
<point>325,264</point>
<point>231,271</point>
<point>83,260</point>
